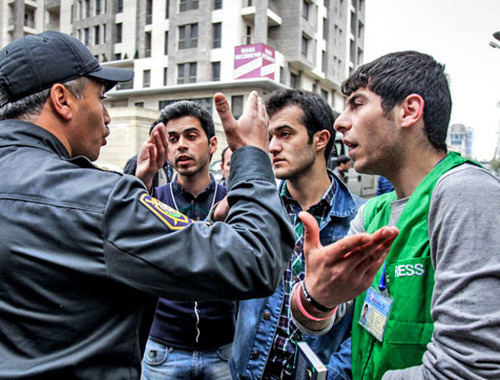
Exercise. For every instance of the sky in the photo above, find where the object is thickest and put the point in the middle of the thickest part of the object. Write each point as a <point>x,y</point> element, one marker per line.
<point>457,33</point>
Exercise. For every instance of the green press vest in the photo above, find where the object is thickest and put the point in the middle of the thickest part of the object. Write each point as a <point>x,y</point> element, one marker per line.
<point>409,279</point>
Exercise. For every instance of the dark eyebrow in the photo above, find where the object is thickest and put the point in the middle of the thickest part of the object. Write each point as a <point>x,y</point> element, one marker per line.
<point>187,130</point>
<point>281,127</point>
<point>352,99</point>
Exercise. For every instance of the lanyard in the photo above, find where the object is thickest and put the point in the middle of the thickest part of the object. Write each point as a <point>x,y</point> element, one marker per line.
<point>383,285</point>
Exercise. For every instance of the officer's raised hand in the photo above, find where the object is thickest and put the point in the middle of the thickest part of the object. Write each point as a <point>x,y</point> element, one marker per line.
<point>152,155</point>
<point>250,129</point>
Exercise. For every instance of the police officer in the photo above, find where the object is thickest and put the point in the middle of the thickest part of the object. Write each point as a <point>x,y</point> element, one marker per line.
<point>81,248</point>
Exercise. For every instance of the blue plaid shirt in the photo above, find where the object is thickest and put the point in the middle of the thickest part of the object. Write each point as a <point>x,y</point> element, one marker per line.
<point>287,334</point>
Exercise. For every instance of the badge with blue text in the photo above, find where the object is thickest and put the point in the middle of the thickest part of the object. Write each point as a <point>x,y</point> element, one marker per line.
<point>172,218</point>
<point>375,312</point>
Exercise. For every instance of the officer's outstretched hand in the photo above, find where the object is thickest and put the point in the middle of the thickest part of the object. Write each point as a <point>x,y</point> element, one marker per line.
<point>250,129</point>
<point>152,155</point>
<point>341,271</point>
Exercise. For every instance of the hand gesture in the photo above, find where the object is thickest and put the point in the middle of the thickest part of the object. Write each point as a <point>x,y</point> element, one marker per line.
<point>152,155</point>
<point>250,129</point>
<point>341,271</point>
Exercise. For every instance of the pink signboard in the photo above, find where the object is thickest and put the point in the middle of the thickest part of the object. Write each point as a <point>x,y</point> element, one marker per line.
<point>254,61</point>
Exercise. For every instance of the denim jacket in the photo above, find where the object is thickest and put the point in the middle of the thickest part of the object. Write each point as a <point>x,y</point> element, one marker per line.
<point>258,318</point>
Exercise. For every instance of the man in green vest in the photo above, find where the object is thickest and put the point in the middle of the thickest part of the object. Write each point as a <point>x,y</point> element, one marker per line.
<point>432,311</point>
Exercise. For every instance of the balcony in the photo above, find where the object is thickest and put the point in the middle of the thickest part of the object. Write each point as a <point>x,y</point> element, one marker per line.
<point>248,14</point>
<point>125,85</point>
<point>51,4</point>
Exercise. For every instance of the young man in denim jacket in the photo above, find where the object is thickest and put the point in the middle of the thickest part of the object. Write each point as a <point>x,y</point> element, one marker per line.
<point>301,140</point>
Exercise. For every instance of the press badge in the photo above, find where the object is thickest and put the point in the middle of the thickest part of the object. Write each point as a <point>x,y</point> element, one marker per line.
<point>375,312</point>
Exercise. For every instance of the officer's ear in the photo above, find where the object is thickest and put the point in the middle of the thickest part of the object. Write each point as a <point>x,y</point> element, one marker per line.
<point>62,101</point>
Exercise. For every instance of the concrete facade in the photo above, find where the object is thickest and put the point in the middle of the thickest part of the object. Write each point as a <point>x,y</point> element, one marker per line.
<point>316,44</point>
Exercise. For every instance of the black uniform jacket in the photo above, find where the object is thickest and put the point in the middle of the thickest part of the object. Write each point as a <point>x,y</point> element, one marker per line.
<point>82,248</point>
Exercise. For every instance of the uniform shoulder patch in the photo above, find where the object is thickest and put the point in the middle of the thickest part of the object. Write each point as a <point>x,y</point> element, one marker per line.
<point>172,218</point>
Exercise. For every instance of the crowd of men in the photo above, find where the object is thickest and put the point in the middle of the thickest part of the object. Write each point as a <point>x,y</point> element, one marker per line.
<point>107,275</point>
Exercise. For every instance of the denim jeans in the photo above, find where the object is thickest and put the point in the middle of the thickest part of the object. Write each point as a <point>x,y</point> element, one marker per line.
<point>162,362</point>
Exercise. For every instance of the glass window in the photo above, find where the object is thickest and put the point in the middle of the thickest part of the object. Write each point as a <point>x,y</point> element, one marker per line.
<point>96,34</point>
<point>305,10</point>
<point>216,71</point>
<point>166,43</point>
<point>188,36</point>
<point>304,46</point>
<point>217,4</point>
<point>146,78</point>
<point>119,31</point>
<point>147,50</point>
<point>186,73</point>
<point>217,35</point>
<point>86,36</point>
<point>187,5</point>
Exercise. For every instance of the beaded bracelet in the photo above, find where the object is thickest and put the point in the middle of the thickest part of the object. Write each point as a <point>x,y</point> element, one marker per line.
<point>309,316</point>
<point>312,301</point>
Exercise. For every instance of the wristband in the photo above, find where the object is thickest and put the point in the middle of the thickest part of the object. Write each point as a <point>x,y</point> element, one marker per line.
<point>309,316</point>
<point>312,301</point>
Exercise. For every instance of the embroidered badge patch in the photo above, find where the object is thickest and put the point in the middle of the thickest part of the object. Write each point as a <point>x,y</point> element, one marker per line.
<point>172,218</point>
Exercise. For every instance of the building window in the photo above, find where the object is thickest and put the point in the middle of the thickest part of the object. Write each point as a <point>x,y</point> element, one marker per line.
<point>361,30</point>
<point>104,37</point>
<point>146,78</point>
<point>165,75</point>
<point>87,8</point>
<point>325,28</point>
<point>323,61</point>
<point>149,12</point>
<point>324,94</point>
<point>118,56</point>
<point>147,45</point>
<point>237,105</point>
<point>167,8</point>
<point>72,14</point>
<point>305,9</point>
<point>217,27</point>
<point>216,71</point>
<point>188,36</point>
<point>86,36</point>
<point>97,29</point>
<point>165,47</point>
<point>217,4</point>
<point>187,5</point>
<point>248,36</point>
<point>186,73</point>
<point>139,104</point>
<point>120,6</point>
<point>119,32</point>
<point>294,80</point>
<point>304,46</point>
<point>353,23</point>
<point>97,7</point>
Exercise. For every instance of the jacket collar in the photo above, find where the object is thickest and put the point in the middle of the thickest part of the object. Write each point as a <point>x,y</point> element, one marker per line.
<point>22,133</point>
<point>342,204</point>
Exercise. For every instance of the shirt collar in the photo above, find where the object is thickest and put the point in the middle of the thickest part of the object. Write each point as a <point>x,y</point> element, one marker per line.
<point>179,188</point>
<point>326,199</point>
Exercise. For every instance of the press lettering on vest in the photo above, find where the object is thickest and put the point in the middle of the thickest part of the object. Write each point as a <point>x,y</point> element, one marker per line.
<point>409,270</point>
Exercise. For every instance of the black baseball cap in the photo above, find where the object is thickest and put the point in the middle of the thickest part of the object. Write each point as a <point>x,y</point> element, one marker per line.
<point>36,62</point>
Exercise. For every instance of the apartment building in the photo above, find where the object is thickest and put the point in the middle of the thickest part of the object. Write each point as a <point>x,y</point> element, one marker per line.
<point>190,49</point>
